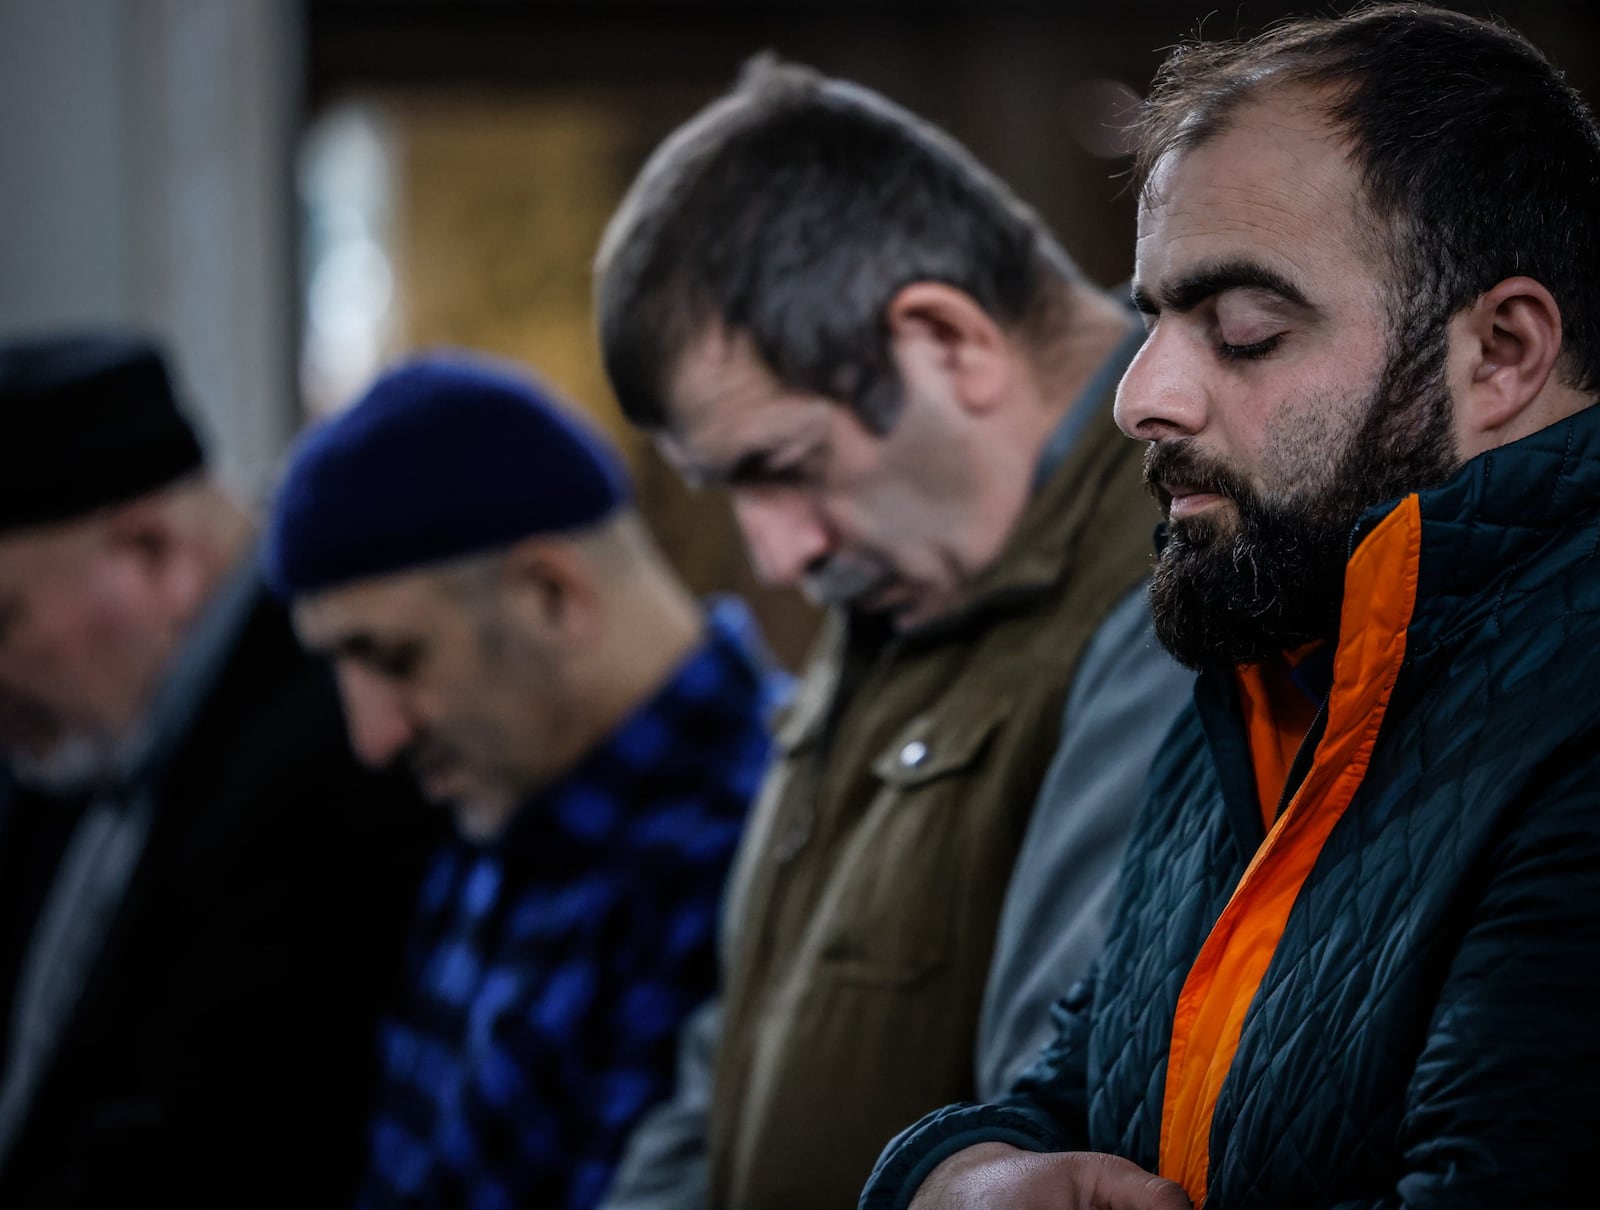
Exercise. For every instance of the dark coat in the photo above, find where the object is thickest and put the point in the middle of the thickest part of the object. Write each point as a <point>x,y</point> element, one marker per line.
<point>1424,1033</point>
<point>221,1052</point>
<point>34,830</point>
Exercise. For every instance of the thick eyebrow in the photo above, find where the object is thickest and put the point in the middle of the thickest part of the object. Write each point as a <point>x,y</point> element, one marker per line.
<point>755,466</point>
<point>702,475</point>
<point>752,467</point>
<point>1207,281</point>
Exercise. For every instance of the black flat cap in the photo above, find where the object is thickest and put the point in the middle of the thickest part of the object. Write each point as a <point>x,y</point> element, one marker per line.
<point>86,420</point>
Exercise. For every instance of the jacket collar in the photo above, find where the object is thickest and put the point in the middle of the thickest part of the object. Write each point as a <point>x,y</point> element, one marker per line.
<point>1492,518</point>
<point>1040,551</point>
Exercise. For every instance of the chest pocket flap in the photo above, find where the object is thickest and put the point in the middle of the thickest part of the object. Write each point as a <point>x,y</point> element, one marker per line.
<point>939,744</point>
<point>897,887</point>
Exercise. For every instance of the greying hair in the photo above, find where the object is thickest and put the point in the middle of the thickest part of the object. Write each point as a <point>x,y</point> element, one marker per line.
<point>792,210</point>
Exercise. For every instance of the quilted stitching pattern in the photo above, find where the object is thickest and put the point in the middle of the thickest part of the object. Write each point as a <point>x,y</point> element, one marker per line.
<point>1496,688</point>
<point>1425,1035</point>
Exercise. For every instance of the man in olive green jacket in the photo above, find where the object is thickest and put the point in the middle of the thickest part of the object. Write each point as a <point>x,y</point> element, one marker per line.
<point>819,302</point>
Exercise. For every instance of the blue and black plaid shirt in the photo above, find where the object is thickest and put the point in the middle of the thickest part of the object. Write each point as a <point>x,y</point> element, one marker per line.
<point>548,973</point>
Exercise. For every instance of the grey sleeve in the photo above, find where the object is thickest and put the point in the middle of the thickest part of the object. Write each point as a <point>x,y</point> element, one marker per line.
<point>1125,696</point>
<point>665,1165</point>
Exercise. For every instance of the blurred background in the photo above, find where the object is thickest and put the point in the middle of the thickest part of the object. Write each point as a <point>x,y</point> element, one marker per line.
<point>291,194</point>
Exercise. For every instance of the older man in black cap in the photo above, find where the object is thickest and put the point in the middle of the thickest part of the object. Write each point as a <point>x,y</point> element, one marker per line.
<point>466,553</point>
<point>192,979</point>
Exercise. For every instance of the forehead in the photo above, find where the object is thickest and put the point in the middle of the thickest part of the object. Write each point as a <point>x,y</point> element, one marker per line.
<point>725,404</point>
<point>1275,186</point>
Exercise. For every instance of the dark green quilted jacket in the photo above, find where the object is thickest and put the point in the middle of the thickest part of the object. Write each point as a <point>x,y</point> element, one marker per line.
<point>1425,1031</point>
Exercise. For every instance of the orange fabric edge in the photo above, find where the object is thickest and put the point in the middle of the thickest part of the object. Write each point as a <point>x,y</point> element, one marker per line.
<point>1261,725</point>
<point>1276,720</point>
<point>1376,611</point>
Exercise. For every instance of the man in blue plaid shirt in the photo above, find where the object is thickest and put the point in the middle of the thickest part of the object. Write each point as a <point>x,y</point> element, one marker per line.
<point>463,551</point>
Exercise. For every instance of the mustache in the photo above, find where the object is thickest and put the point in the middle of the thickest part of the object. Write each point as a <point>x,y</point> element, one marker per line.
<point>843,579</point>
<point>427,756</point>
<point>1179,460</point>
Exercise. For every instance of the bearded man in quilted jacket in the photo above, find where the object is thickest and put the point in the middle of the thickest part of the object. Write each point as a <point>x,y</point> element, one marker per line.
<point>1355,961</point>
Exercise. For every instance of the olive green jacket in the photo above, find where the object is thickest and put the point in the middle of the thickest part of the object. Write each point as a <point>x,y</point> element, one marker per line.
<point>862,910</point>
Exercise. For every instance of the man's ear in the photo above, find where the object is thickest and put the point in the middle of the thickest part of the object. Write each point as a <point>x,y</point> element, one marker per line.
<point>1503,351</point>
<point>938,329</point>
<point>551,588</point>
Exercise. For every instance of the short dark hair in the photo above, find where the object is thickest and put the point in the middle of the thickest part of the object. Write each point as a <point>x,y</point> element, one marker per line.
<point>792,210</point>
<point>1478,160</point>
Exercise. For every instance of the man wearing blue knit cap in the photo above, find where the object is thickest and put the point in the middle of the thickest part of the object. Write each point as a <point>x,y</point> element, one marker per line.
<point>465,553</point>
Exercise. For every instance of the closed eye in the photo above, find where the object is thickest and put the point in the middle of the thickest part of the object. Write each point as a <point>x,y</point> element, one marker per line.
<point>1250,352</point>
<point>395,661</point>
<point>399,663</point>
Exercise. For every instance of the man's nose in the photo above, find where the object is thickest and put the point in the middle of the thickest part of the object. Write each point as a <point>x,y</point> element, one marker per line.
<point>784,532</point>
<point>1163,392</point>
<point>376,716</point>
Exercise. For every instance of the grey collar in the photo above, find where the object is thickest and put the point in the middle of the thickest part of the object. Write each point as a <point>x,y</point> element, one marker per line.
<point>1087,405</point>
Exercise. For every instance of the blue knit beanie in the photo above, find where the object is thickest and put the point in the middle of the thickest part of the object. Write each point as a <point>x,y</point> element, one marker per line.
<point>446,455</point>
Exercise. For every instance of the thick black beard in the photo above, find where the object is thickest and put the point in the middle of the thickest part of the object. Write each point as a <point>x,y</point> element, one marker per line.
<point>1273,579</point>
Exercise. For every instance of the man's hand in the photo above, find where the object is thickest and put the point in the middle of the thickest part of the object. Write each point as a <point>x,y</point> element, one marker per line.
<point>993,1176</point>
